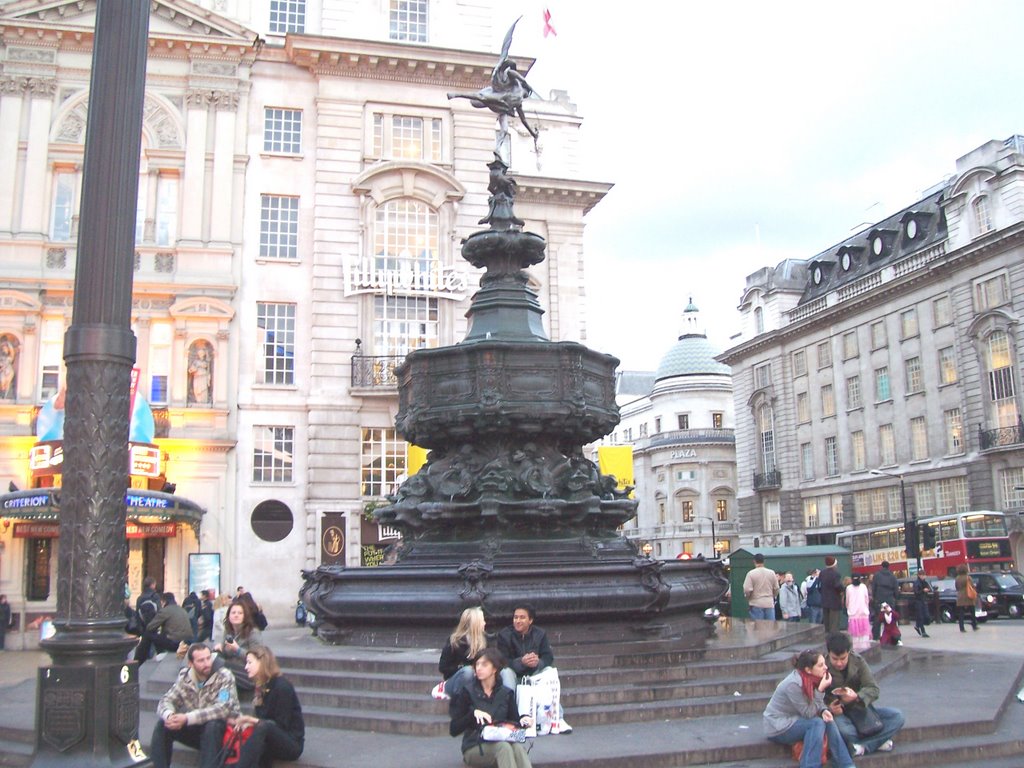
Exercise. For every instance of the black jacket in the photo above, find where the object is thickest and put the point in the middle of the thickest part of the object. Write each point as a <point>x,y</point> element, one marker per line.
<point>281,705</point>
<point>500,705</point>
<point>454,659</point>
<point>148,605</point>
<point>831,588</point>
<point>884,587</point>
<point>514,646</point>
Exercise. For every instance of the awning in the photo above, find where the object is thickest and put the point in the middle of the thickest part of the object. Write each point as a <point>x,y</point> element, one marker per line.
<point>145,506</point>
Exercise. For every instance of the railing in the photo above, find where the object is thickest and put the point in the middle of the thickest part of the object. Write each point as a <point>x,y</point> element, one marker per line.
<point>1002,437</point>
<point>706,435</point>
<point>764,480</point>
<point>375,370</point>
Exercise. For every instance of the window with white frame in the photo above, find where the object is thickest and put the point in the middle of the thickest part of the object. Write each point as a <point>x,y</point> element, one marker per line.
<point>758,320</point>
<point>282,130</point>
<point>762,375</point>
<point>918,438</point>
<point>947,366</point>
<point>942,311</point>
<point>276,323</point>
<point>908,323</point>
<point>941,497</point>
<point>799,363</point>
<point>824,354</point>
<point>954,431</point>
<point>831,457</point>
<point>1012,482</point>
<point>404,323</point>
<point>858,451</point>
<point>643,430</point>
<point>657,425</point>
<point>803,407</point>
<point>850,349</point>
<point>828,401</point>
<point>381,460</point>
<point>287,16</point>
<point>279,227</point>
<point>65,188</point>
<point>683,420</point>
<point>160,337</point>
<point>982,215</point>
<point>853,394</point>
<point>882,392</point>
<point>661,512</point>
<point>166,218</point>
<point>722,510</point>
<point>914,374</point>
<point>772,515</point>
<point>405,236</point>
<point>1001,387</point>
<point>406,137</point>
<point>806,461</point>
<point>886,445</point>
<point>822,511</point>
<point>272,452</point>
<point>991,292</point>
<point>408,20</point>
<point>878,337</point>
<point>51,356</point>
<point>717,419</point>
<point>686,510</point>
<point>766,425</point>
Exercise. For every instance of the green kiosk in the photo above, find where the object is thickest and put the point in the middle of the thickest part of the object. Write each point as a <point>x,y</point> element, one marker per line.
<point>797,560</point>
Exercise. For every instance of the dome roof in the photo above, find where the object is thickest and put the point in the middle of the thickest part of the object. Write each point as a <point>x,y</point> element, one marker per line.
<point>692,355</point>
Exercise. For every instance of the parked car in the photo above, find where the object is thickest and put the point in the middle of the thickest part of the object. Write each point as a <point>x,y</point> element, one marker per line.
<point>943,600</point>
<point>1006,588</point>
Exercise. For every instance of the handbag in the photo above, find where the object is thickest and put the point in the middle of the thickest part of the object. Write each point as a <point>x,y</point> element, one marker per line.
<point>866,720</point>
<point>972,593</point>
<point>231,747</point>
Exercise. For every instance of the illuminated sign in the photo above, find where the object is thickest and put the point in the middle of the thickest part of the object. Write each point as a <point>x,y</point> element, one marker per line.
<point>44,457</point>
<point>151,530</point>
<point>36,530</point>
<point>28,502</point>
<point>363,276</point>
<point>138,501</point>
<point>145,460</point>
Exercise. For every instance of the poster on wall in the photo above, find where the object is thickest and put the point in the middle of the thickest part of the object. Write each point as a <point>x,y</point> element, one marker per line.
<point>204,571</point>
<point>332,539</point>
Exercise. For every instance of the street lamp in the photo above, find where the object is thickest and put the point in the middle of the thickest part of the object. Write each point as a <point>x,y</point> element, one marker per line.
<point>907,537</point>
<point>647,548</point>
<point>714,538</point>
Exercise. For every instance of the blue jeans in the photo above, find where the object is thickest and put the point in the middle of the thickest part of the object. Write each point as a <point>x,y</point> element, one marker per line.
<point>814,614</point>
<point>508,678</point>
<point>458,681</point>
<point>892,722</point>
<point>810,731</point>
<point>762,613</point>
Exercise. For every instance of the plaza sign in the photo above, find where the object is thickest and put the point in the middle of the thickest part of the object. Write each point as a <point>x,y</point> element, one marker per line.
<point>364,276</point>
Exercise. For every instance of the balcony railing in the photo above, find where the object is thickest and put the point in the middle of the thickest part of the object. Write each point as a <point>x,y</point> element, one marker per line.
<point>766,480</point>
<point>375,371</point>
<point>686,436</point>
<point>1002,437</point>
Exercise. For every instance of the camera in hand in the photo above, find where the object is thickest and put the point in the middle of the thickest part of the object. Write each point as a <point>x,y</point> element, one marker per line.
<point>229,639</point>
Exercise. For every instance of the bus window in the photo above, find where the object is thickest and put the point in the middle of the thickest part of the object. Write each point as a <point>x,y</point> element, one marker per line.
<point>947,530</point>
<point>976,526</point>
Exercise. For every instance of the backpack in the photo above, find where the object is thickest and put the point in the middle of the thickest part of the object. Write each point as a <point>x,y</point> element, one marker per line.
<point>814,594</point>
<point>148,608</point>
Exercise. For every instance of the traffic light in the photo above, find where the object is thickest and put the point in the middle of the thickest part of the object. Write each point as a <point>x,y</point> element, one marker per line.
<point>913,548</point>
<point>928,537</point>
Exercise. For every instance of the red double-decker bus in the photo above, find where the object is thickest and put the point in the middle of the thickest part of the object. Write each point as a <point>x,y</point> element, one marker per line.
<point>976,538</point>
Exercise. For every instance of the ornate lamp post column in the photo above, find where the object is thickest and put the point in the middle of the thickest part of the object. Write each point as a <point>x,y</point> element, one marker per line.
<point>87,707</point>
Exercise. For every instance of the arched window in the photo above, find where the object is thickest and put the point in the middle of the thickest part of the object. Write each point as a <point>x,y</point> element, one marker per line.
<point>9,354</point>
<point>1001,386</point>
<point>766,428</point>
<point>200,374</point>
<point>758,320</point>
<point>405,243</point>
<point>982,215</point>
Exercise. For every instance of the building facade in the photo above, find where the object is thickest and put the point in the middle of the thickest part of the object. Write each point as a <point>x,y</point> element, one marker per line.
<point>679,422</point>
<point>893,355</point>
<point>304,187</point>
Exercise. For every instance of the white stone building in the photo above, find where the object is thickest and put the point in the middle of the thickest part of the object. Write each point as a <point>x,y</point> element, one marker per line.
<point>896,350</point>
<point>305,183</point>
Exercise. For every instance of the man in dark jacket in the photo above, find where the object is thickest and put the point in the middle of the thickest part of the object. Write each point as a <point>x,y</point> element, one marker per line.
<point>525,646</point>
<point>148,603</point>
<point>168,629</point>
<point>884,588</point>
<point>206,616</point>
<point>831,594</point>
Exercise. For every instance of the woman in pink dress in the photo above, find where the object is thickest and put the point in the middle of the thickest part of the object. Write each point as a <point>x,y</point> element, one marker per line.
<point>857,610</point>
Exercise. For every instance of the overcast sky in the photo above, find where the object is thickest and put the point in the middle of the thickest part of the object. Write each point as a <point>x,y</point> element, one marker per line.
<point>740,133</point>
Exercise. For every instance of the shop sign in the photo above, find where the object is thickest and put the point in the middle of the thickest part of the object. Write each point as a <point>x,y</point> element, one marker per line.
<point>36,530</point>
<point>47,458</point>
<point>685,453</point>
<point>145,460</point>
<point>137,501</point>
<point>151,530</point>
<point>363,276</point>
<point>44,458</point>
<point>28,502</point>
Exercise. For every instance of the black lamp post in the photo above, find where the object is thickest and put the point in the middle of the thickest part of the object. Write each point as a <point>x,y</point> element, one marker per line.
<point>87,701</point>
<point>910,540</point>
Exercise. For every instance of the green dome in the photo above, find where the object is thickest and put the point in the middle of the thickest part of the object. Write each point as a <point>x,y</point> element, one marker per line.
<point>692,355</point>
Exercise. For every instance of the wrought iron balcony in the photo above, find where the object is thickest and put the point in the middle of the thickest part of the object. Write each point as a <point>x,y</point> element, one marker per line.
<point>375,371</point>
<point>1002,437</point>
<point>767,480</point>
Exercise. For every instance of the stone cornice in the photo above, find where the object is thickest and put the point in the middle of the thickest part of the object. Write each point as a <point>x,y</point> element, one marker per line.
<point>376,60</point>
<point>549,191</point>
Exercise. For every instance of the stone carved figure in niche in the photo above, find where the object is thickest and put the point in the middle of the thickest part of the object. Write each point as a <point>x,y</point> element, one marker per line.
<point>8,367</point>
<point>200,373</point>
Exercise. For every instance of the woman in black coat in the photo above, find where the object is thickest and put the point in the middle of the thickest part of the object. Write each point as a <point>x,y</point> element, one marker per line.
<point>279,732</point>
<point>485,701</point>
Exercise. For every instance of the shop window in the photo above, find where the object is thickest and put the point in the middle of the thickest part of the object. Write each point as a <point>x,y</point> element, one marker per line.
<point>272,520</point>
<point>37,560</point>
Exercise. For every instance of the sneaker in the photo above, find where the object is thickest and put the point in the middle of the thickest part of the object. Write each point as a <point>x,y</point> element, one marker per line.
<point>160,656</point>
<point>886,746</point>
<point>899,642</point>
<point>924,634</point>
<point>858,750</point>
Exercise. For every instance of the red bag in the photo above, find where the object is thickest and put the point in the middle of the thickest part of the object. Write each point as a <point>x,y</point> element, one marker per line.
<point>798,750</point>
<point>232,744</point>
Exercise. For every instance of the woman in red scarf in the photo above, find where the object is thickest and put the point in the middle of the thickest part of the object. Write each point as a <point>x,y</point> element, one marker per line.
<point>797,713</point>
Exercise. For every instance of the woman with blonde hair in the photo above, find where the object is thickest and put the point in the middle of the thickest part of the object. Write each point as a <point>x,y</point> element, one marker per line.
<point>279,730</point>
<point>464,645</point>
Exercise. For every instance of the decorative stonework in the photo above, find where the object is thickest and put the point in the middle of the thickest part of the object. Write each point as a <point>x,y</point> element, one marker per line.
<point>163,262</point>
<point>56,258</point>
<point>32,55</point>
<point>205,97</point>
<point>156,117</point>
<point>37,86</point>
<point>215,68</point>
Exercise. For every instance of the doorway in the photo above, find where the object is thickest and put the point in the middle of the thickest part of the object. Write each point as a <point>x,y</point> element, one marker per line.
<point>153,551</point>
